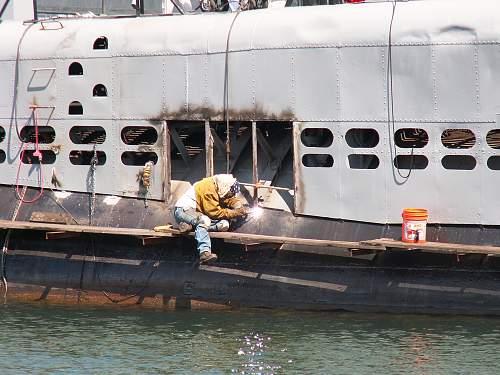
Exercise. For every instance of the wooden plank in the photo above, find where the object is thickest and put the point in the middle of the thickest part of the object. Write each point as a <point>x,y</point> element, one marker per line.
<point>245,238</point>
<point>436,246</point>
<point>241,238</point>
<point>26,225</point>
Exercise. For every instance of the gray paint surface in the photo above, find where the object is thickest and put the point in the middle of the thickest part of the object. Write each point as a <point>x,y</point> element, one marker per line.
<point>318,66</point>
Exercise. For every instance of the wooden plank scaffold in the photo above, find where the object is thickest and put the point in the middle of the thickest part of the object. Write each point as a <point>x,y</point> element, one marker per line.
<point>383,244</point>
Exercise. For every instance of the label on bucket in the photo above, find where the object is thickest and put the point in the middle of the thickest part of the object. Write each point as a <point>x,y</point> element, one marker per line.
<point>414,231</point>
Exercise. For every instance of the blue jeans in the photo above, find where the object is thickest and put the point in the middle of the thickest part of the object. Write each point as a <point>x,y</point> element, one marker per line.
<point>193,217</point>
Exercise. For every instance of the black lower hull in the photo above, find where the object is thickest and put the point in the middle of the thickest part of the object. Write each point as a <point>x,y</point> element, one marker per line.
<point>290,278</point>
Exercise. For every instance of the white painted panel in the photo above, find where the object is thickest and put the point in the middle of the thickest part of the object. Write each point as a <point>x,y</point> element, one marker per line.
<point>316,95</point>
<point>416,187</point>
<point>76,177</point>
<point>273,75</point>
<point>176,71</point>
<point>6,88</point>
<point>36,86</point>
<point>489,78</point>
<point>456,85</point>
<point>80,88</point>
<point>319,188</point>
<point>459,206</point>
<point>141,87</point>
<point>215,89</point>
<point>412,78</point>
<point>242,76</point>
<point>362,83</point>
<point>490,178</point>
<point>197,76</point>
<point>111,178</point>
<point>363,191</point>
<point>459,190</point>
<point>127,175</point>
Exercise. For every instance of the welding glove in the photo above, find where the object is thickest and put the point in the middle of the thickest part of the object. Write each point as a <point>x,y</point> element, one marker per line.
<point>242,211</point>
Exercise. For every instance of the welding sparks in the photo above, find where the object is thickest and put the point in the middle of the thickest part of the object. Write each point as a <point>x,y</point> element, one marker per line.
<point>256,212</point>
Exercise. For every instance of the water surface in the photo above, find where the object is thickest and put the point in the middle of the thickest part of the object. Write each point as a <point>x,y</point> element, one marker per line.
<point>61,340</point>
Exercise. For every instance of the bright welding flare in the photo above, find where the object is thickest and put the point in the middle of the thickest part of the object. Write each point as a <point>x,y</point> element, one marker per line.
<point>256,212</point>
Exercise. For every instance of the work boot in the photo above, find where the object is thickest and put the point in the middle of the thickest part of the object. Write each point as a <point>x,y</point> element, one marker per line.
<point>207,257</point>
<point>221,226</point>
<point>185,227</point>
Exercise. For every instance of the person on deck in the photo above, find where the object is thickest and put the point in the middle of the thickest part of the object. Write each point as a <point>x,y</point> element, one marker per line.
<point>208,206</point>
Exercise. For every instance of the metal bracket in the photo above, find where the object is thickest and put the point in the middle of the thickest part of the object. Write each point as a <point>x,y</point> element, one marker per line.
<point>40,69</point>
<point>42,24</point>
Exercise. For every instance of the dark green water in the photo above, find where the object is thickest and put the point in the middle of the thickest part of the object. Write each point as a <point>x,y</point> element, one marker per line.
<point>45,340</point>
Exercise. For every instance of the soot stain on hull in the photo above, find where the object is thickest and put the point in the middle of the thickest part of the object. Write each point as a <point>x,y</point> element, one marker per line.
<point>200,113</point>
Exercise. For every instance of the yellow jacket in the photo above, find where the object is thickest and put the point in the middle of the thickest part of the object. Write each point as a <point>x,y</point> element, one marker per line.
<point>211,204</point>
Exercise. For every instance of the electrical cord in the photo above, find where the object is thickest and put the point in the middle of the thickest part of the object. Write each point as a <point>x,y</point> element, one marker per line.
<point>4,7</point>
<point>62,207</point>
<point>36,154</point>
<point>226,93</point>
<point>390,106</point>
<point>107,294</point>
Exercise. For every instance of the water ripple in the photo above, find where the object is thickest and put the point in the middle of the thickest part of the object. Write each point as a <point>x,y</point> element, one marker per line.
<point>61,340</point>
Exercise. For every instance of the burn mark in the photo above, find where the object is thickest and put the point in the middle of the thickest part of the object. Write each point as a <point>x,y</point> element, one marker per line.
<point>201,113</point>
<point>68,41</point>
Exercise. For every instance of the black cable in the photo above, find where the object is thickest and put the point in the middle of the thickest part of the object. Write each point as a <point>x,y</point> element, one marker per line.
<point>4,7</point>
<point>390,105</point>
<point>178,7</point>
<point>136,294</point>
<point>62,207</point>
<point>226,94</point>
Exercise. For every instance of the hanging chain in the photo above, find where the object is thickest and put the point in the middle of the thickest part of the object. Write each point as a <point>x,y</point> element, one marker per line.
<point>93,165</point>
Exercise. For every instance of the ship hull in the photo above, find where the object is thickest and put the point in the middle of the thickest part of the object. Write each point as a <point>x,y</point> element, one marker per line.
<point>266,281</point>
<point>105,269</point>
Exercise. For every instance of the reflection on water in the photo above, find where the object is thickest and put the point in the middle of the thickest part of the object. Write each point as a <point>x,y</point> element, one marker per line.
<point>43,339</point>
